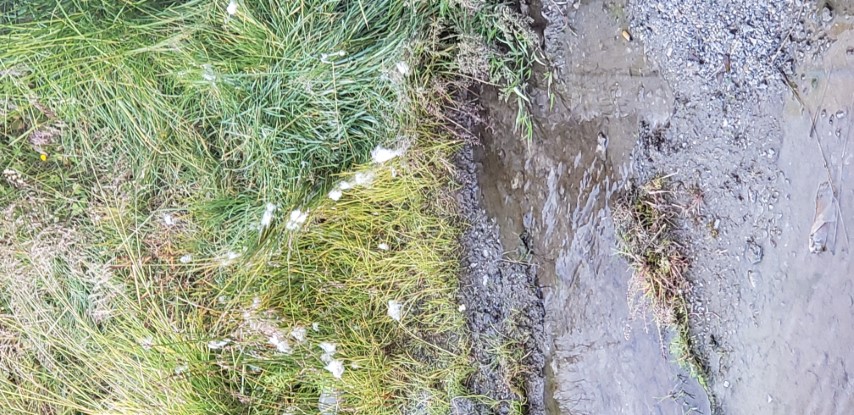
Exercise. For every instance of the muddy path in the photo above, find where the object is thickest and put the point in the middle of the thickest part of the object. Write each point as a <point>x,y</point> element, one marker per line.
<point>788,340</point>
<point>703,92</point>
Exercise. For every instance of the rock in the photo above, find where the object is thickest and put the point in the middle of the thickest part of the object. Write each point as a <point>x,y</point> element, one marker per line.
<point>753,252</point>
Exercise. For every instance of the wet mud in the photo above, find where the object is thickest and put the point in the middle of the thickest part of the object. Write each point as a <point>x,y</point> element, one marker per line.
<point>557,189</point>
<point>502,303</point>
<point>747,107</point>
<point>787,342</point>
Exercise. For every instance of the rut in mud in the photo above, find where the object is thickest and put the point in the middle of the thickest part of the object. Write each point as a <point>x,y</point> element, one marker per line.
<point>703,92</point>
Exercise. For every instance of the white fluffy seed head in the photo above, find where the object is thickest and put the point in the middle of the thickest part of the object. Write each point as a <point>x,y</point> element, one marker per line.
<point>381,154</point>
<point>299,334</point>
<point>281,344</point>
<point>168,219</point>
<point>336,368</point>
<point>218,344</point>
<point>363,178</point>
<point>335,194</point>
<point>403,68</point>
<point>267,218</point>
<point>296,219</point>
<point>394,309</point>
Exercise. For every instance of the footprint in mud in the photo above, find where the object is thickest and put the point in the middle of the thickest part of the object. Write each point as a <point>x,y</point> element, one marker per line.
<point>824,225</point>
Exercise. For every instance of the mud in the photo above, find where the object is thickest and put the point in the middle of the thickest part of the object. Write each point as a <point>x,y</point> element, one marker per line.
<point>785,345</point>
<point>557,189</point>
<point>702,91</point>
<point>503,308</point>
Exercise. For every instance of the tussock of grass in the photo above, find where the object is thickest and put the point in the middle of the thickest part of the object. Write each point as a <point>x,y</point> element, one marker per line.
<point>142,144</point>
<point>646,221</point>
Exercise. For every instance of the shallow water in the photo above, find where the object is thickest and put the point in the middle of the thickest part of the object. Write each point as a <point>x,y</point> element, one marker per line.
<point>556,189</point>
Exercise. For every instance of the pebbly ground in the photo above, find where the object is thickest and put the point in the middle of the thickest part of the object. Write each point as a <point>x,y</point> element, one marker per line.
<point>503,306</point>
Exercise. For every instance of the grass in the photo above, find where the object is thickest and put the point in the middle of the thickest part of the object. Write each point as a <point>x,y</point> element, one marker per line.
<point>167,243</point>
<point>646,223</point>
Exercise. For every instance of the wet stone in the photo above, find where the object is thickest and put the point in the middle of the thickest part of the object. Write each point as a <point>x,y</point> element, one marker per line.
<point>753,252</point>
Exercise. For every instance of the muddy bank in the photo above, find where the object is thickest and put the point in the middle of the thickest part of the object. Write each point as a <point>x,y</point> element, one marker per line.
<point>503,307</point>
<point>786,315</point>
<point>703,92</point>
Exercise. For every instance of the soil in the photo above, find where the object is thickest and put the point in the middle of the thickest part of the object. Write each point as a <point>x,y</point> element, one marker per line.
<point>503,307</point>
<point>746,105</point>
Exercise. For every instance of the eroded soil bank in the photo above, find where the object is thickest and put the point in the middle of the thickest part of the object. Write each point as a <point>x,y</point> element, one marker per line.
<point>703,92</point>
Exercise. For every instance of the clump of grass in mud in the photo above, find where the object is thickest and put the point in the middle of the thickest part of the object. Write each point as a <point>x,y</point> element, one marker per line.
<point>192,222</point>
<point>646,222</point>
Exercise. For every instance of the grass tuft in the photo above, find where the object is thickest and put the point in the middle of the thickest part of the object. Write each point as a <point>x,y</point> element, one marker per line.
<point>168,244</point>
<point>646,223</point>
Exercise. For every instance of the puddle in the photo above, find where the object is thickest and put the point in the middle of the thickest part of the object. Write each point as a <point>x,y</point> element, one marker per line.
<point>556,190</point>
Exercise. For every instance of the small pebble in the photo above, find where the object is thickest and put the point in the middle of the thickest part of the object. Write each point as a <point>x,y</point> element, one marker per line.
<point>753,252</point>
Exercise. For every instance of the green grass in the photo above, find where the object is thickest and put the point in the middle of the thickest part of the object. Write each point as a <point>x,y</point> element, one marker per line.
<point>143,143</point>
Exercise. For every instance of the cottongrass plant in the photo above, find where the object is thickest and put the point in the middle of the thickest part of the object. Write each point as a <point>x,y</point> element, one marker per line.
<point>169,241</point>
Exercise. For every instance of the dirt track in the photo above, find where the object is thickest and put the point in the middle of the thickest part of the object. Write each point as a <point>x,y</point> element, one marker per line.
<point>701,91</point>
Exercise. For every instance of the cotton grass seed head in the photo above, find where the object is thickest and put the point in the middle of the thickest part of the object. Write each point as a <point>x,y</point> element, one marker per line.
<point>381,154</point>
<point>228,258</point>
<point>296,219</point>
<point>267,217</point>
<point>328,351</point>
<point>299,334</point>
<point>335,194</point>
<point>403,68</point>
<point>363,178</point>
<point>232,8</point>
<point>180,369</point>
<point>169,220</point>
<point>218,344</point>
<point>394,309</point>
<point>281,344</point>
<point>336,368</point>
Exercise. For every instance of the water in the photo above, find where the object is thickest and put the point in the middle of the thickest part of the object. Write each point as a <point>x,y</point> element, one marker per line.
<point>557,189</point>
